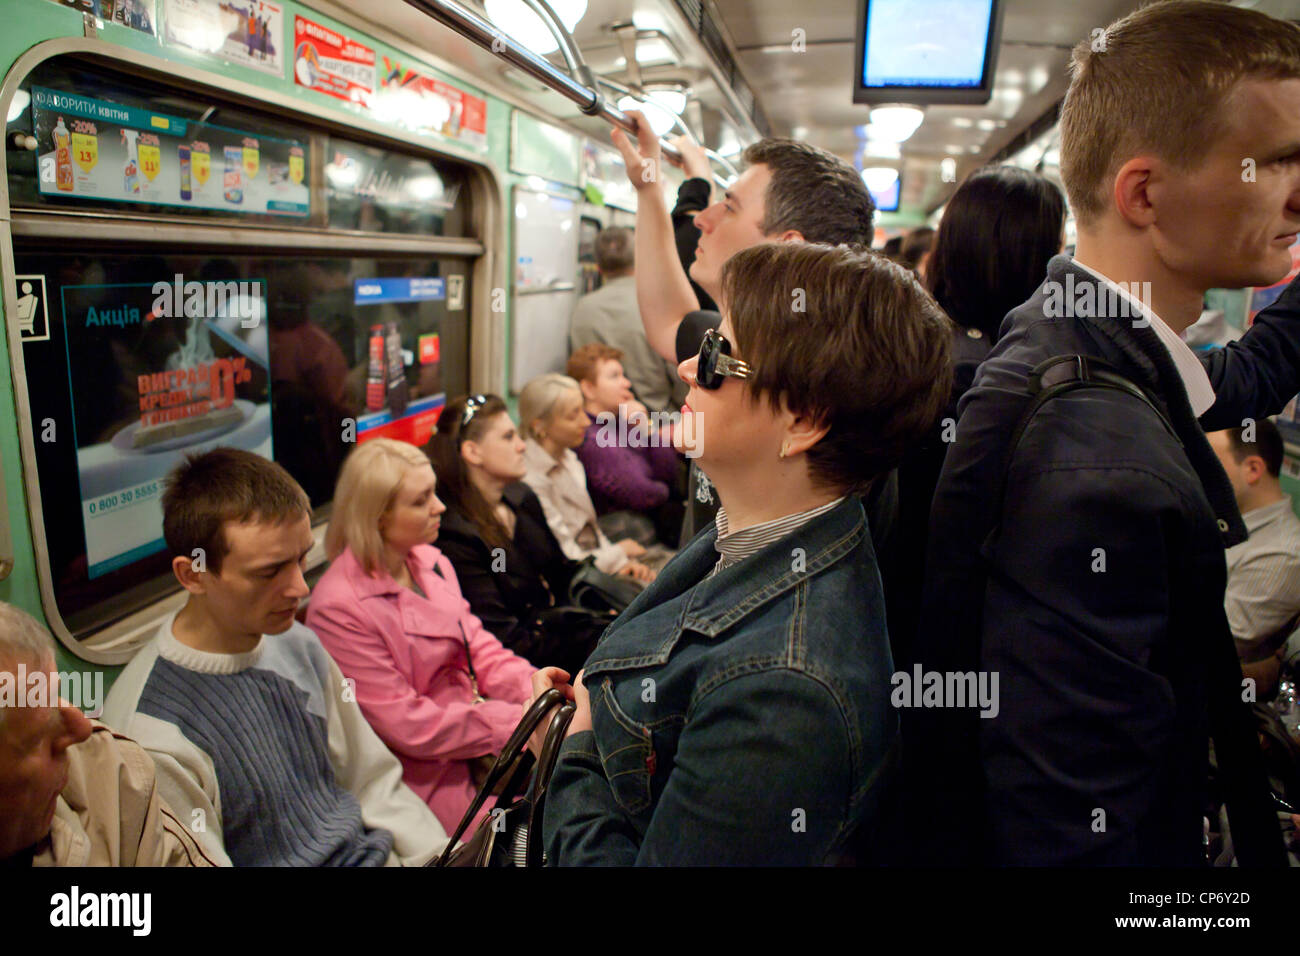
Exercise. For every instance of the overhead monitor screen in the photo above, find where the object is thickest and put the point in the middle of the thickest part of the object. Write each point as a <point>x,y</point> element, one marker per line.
<point>886,200</point>
<point>927,51</point>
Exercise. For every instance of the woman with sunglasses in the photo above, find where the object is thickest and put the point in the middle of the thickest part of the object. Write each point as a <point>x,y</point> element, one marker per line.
<point>739,711</point>
<point>510,567</point>
<point>439,690</point>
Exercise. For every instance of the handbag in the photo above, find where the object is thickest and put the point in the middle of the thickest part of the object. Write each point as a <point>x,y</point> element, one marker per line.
<point>593,589</point>
<point>510,834</point>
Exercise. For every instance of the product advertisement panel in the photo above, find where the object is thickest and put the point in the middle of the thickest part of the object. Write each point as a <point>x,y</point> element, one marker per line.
<point>331,63</point>
<point>427,105</point>
<point>247,32</point>
<point>187,371</point>
<point>101,150</point>
<point>403,385</point>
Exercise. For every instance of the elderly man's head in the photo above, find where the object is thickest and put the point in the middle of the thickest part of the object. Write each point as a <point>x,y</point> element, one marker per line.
<point>36,730</point>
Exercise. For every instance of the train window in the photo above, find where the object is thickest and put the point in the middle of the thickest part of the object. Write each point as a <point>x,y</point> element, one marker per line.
<point>295,361</point>
<point>296,292</point>
<point>375,190</point>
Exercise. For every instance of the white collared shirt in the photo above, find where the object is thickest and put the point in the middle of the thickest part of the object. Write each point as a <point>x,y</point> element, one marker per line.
<point>1200,393</point>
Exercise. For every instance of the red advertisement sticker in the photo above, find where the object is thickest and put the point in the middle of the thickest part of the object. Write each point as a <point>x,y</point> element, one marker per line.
<point>329,62</point>
<point>425,104</point>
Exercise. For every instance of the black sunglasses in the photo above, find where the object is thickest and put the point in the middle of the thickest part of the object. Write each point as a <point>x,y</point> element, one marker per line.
<point>716,362</point>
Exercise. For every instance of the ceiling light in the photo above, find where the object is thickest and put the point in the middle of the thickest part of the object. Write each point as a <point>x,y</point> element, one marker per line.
<point>879,178</point>
<point>962,122</point>
<point>661,121</point>
<point>521,24</point>
<point>879,149</point>
<point>987,124</point>
<point>673,100</point>
<point>894,123</point>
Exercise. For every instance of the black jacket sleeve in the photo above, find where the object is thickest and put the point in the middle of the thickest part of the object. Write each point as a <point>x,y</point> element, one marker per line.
<point>692,197</point>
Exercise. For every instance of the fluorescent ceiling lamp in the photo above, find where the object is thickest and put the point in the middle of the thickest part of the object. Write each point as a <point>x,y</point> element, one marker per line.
<point>879,178</point>
<point>525,27</point>
<point>661,121</point>
<point>894,123</point>
<point>879,149</point>
<point>674,101</point>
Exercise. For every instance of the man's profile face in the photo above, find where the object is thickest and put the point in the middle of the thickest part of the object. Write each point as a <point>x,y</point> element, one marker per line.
<point>731,224</point>
<point>1213,222</point>
<point>261,579</point>
<point>34,744</point>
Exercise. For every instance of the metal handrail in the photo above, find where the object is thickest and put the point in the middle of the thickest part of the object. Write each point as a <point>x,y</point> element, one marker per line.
<point>586,97</point>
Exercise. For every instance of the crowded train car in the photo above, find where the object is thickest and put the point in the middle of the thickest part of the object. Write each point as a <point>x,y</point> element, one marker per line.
<point>650,432</point>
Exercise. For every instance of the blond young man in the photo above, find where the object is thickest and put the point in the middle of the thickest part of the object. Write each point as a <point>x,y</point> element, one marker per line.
<point>1085,564</point>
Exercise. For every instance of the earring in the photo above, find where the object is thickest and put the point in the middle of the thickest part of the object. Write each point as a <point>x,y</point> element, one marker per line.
<point>784,451</point>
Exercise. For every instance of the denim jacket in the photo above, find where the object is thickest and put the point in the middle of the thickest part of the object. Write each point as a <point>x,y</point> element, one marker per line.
<point>737,719</point>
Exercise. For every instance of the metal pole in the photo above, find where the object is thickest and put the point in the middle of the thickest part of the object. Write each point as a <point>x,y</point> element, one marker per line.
<point>473,27</point>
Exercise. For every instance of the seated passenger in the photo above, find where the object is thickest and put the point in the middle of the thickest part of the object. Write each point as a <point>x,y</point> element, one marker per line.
<point>260,746</point>
<point>1263,593</point>
<point>74,793</point>
<point>767,735</point>
<point>609,316</point>
<point>628,456</point>
<point>510,567</point>
<point>438,688</point>
<point>554,423</point>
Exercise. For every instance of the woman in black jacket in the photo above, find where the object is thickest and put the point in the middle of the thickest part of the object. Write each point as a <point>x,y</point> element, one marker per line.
<point>510,567</point>
<point>999,230</point>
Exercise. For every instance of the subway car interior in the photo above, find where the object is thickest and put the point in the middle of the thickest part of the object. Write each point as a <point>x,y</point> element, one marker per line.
<point>373,370</point>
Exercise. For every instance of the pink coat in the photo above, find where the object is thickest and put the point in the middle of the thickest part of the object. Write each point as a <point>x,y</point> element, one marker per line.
<point>406,656</point>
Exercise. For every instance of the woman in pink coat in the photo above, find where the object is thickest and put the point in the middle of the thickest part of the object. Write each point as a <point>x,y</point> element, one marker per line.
<point>437,688</point>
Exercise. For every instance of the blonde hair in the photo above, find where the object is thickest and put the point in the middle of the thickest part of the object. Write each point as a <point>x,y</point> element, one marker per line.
<point>367,485</point>
<point>538,399</point>
<point>1159,80</point>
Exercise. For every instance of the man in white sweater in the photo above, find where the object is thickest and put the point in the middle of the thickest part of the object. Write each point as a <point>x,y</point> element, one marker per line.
<point>260,746</point>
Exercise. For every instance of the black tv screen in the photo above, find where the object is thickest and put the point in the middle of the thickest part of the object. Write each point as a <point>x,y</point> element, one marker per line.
<point>927,51</point>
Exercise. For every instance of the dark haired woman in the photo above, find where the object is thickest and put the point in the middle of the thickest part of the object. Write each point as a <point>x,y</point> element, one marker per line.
<point>990,254</point>
<point>738,712</point>
<point>511,569</point>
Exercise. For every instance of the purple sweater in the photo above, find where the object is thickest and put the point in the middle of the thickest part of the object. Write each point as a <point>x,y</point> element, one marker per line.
<point>620,477</point>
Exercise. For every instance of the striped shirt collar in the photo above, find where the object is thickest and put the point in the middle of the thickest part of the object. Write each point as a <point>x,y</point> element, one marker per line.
<point>735,546</point>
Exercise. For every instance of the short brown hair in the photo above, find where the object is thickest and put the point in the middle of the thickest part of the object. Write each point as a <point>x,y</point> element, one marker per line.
<point>225,484</point>
<point>1157,80</point>
<point>867,354</point>
<point>615,250</point>
<point>584,363</point>
<point>813,192</point>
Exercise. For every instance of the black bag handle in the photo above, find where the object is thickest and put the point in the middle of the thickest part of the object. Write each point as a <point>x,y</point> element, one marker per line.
<point>541,780</point>
<point>509,754</point>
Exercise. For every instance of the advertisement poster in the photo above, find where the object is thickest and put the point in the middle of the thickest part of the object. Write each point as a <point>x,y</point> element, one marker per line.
<point>403,385</point>
<point>603,171</point>
<point>102,150</point>
<point>331,63</point>
<point>136,14</point>
<point>190,372</point>
<point>247,32</point>
<point>421,103</point>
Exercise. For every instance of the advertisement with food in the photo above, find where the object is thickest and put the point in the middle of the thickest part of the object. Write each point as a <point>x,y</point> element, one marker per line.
<point>192,374</point>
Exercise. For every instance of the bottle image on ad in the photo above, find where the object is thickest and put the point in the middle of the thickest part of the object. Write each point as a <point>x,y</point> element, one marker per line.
<point>183,152</point>
<point>131,171</point>
<point>234,174</point>
<point>399,391</point>
<point>63,158</point>
<point>376,383</point>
